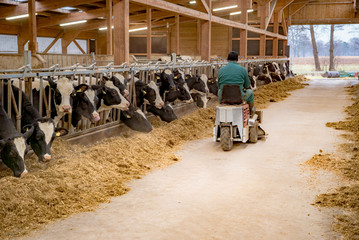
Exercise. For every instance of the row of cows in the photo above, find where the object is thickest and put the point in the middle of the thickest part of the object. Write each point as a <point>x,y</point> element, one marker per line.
<point>86,101</point>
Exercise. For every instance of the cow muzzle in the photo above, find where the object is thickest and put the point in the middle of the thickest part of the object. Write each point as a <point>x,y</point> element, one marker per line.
<point>23,174</point>
<point>125,93</point>
<point>47,157</point>
<point>160,105</point>
<point>65,109</point>
<point>96,117</point>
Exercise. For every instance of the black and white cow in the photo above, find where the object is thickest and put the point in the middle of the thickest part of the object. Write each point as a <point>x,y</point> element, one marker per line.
<point>113,91</point>
<point>262,73</point>
<point>84,104</point>
<point>274,71</point>
<point>183,91</point>
<point>135,119</point>
<point>148,93</point>
<point>166,113</point>
<point>13,145</point>
<point>166,78</point>
<point>212,85</point>
<point>44,128</point>
<point>199,90</point>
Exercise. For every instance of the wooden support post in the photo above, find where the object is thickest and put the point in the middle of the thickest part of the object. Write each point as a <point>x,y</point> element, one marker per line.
<point>275,30</point>
<point>32,26</point>
<point>121,34</point>
<point>262,41</point>
<point>285,42</point>
<point>54,41</point>
<point>177,46</point>
<point>199,37</point>
<point>168,39</point>
<point>149,32</point>
<point>230,34</point>
<point>109,27</point>
<point>206,40</point>
<point>22,38</point>
<point>243,32</point>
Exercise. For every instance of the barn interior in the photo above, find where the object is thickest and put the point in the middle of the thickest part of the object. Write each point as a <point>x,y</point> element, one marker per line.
<point>148,29</point>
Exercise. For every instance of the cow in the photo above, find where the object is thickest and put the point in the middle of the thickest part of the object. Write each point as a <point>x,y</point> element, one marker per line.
<point>114,91</point>
<point>166,113</point>
<point>274,71</point>
<point>13,145</point>
<point>84,104</point>
<point>44,128</point>
<point>262,74</point>
<point>167,84</point>
<point>212,85</point>
<point>283,71</point>
<point>252,77</point>
<point>135,119</point>
<point>183,92</point>
<point>148,93</point>
<point>198,83</point>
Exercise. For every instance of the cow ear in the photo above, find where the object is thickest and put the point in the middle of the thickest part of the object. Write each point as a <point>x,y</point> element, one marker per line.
<point>29,132</point>
<point>27,127</point>
<point>81,88</point>
<point>61,132</point>
<point>52,83</point>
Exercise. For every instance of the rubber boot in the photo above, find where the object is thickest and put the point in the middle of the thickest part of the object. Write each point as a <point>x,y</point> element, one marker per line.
<point>252,109</point>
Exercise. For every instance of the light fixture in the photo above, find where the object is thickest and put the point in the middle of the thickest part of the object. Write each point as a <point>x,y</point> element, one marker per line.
<point>224,8</point>
<point>239,12</point>
<point>18,16</point>
<point>104,28</point>
<point>72,23</point>
<point>137,29</point>
<point>192,2</point>
<point>131,30</point>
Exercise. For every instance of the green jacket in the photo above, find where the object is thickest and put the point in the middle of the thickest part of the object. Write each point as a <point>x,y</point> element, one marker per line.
<point>234,74</point>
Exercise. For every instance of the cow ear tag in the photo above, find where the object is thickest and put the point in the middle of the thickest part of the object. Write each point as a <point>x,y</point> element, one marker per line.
<point>158,77</point>
<point>175,77</point>
<point>58,134</point>
<point>104,92</point>
<point>27,129</point>
<point>144,92</point>
<point>128,116</point>
<point>80,90</point>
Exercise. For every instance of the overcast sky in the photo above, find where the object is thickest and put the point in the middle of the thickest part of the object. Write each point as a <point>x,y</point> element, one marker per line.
<point>348,31</point>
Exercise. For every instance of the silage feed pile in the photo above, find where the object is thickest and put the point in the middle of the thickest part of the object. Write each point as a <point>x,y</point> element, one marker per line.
<point>346,164</point>
<point>80,178</point>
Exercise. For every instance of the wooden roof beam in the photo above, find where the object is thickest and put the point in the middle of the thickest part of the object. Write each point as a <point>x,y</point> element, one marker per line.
<point>40,7</point>
<point>271,10</point>
<point>56,20</point>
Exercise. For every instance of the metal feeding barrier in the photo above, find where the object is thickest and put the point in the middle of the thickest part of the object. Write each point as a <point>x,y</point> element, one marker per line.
<point>92,75</point>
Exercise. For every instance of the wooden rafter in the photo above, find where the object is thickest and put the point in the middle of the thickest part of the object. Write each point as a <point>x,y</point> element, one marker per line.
<point>205,5</point>
<point>59,35</point>
<point>271,10</point>
<point>40,7</point>
<point>79,47</point>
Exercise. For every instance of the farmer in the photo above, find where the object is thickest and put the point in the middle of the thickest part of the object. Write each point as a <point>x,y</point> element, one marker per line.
<point>234,74</point>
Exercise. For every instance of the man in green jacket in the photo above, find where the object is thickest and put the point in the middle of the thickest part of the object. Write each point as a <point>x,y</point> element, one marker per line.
<point>234,74</point>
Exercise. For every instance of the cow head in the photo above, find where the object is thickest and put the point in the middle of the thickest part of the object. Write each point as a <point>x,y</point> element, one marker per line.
<point>120,82</point>
<point>12,152</point>
<point>136,120</point>
<point>63,89</point>
<point>111,91</point>
<point>84,102</point>
<point>152,94</point>
<point>167,80</point>
<point>43,136</point>
<point>166,113</point>
<point>196,83</point>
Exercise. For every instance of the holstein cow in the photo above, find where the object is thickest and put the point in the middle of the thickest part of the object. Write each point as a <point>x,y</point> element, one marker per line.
<point>274,71</point>
<point>44,128</point>
<point>167,86</point>
<point>213,86</point>
<point>251,76</point>
<point>148,93</point>
<point>84,104</point>
<point>262,74</point>
<point>13,145</point>
<point>166,113</point>
<point>183,92</point>
<point>135,119</point>
<point>199,89</point>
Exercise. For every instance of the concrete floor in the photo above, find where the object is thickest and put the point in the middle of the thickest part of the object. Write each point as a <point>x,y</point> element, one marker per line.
<point>255,191</point>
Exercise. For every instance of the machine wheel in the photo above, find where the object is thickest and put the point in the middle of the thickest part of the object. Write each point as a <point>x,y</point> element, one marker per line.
<point>253,133</point>
<point>226,141</point>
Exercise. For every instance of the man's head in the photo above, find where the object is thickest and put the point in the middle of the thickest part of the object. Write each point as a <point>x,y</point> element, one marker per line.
<point>232,56</point>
